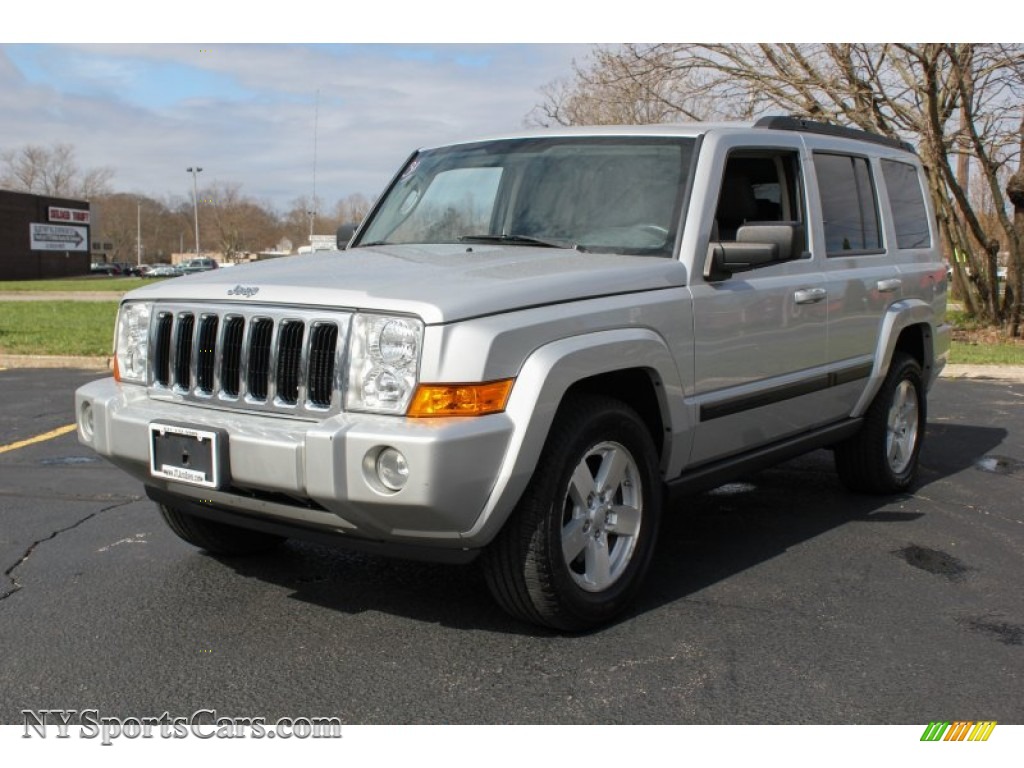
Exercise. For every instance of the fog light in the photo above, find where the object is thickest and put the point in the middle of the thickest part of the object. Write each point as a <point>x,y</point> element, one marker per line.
<point>392,469</point>
<point>86,421</point>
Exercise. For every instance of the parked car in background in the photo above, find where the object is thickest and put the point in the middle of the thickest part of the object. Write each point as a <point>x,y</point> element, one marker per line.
<point>103,268</point>
<point>163,270</point>
<point>198,265</point>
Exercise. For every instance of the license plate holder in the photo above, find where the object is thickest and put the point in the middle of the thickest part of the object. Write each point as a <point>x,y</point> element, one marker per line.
<point>187,454</point>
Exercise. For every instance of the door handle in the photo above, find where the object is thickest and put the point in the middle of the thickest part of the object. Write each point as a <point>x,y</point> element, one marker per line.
<point>810,295</point>
<point>889,286</point>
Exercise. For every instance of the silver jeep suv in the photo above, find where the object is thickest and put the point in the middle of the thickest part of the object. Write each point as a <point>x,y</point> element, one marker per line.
<point>534,343</point>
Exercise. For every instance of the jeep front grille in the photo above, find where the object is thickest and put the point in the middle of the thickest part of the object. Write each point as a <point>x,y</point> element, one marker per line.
<point>254,358</point>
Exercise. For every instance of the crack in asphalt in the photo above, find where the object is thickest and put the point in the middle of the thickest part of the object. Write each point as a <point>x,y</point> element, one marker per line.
<point>9,573</point>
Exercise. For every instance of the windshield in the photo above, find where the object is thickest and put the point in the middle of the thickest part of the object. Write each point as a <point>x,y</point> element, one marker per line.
<point>608,194</point>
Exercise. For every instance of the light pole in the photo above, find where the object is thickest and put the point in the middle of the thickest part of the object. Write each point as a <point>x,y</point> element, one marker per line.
<point>195,201</point>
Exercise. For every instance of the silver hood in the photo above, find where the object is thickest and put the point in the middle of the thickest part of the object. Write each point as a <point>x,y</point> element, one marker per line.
<point>439,283</point>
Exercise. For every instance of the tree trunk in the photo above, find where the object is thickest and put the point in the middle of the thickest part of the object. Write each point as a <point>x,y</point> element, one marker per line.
<point>1014,278</point>
<point>1015,273</point>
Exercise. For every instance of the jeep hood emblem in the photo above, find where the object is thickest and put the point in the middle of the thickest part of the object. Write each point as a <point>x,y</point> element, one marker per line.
<point>243,290</point>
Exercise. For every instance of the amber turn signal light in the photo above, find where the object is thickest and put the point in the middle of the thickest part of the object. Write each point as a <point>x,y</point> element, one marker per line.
<point>433,400</point>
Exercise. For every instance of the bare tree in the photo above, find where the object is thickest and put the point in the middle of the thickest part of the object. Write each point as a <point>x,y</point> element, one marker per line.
<point>951,99</point>
<point>237,223</point>
<point>351,209</point>
<point>51,171</point>
<point>120,218</point>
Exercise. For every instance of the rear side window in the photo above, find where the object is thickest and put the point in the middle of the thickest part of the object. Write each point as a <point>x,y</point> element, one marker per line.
<point>847,204</point>
<point>907,202</point>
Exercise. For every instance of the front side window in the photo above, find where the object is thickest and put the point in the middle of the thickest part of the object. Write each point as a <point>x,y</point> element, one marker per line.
<point>907,202</point>
<point>759,186</point>
<point>847,204</point>
<point>608,195</point>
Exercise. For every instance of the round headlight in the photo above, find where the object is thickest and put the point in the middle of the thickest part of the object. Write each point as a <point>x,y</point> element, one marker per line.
<point>396,342</point>
<point>87,421</point>
<point>392,469</point>
<point>384,386</point>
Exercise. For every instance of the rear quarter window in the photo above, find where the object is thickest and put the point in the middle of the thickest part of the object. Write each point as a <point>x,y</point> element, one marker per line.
<point>906,199</point>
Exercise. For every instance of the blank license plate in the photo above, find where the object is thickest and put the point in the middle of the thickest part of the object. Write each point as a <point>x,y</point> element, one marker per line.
<point>185,455</point>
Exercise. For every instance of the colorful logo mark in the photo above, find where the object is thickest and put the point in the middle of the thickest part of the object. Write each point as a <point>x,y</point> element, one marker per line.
<point>959,730</point>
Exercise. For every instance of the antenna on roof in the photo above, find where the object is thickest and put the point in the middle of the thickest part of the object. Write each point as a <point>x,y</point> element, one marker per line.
<point>312,205</point>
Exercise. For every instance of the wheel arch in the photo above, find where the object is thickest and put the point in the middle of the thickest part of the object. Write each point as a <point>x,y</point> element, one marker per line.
<point>639,388</point>
<point>632,365</point>
<point>906,327</point>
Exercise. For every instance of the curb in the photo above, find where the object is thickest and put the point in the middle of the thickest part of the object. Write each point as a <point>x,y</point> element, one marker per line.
<point>57,361</point>
<point>1011,373</point>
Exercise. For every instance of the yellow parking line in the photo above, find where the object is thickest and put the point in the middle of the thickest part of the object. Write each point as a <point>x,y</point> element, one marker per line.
<point>39,438</point>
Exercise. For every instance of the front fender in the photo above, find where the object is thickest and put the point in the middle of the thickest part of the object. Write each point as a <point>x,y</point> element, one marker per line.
<point>540,387</point>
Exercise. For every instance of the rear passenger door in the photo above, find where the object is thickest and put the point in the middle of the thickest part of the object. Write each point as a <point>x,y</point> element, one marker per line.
<point>861,277</point>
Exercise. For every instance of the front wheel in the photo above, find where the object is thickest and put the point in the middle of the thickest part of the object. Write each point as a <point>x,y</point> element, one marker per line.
<point>883,456</point>
<point>579,543</point>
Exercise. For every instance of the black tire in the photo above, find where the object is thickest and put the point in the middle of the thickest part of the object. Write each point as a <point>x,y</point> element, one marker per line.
<point>883,457</point>
<point>217,538</point>
<point>613,535</point>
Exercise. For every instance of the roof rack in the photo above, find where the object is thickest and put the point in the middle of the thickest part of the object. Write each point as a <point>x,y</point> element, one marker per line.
<point>787,123</point>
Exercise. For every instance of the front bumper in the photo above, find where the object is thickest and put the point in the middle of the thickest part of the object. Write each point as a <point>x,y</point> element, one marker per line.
<point>317,476</point>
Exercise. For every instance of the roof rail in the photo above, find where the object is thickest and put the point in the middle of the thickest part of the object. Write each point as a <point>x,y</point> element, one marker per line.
<point>787,123</point>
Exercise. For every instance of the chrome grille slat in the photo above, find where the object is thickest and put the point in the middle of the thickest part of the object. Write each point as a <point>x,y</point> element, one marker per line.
<point>231,356</point>
<point>258,371</point>
<point>288,365</point>
<point>322,350</point>
<point>258,358</point>
<point>162,348</point>
<point>183,352</point>
<point>206,340</point>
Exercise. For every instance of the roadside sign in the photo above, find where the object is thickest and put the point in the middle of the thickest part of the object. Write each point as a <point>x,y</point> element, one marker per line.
<point>323,242</point>
<point>73,215</point>
<point>56,237</point>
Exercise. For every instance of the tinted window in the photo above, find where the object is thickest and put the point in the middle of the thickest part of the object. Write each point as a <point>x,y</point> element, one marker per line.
<point>907,201</point>
<point>847,204</point>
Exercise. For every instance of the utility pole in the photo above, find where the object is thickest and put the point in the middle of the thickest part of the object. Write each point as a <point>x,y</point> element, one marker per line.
<point>195,201</point>
<point>138,234</point>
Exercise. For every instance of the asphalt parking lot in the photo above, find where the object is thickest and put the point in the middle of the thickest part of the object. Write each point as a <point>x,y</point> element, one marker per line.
<point>779,599</point>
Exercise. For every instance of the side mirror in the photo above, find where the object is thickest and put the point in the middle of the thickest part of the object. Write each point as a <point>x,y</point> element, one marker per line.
<point>757,244</point>
<point>344,235</point>
<point>724,259</point>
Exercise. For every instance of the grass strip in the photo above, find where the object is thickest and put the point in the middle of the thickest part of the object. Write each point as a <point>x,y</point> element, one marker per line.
<point>963,353</point>
<point>57,327</point>
<point>76,284</point>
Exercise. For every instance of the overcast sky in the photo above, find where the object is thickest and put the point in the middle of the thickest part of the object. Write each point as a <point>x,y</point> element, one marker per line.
<point>246,113</point>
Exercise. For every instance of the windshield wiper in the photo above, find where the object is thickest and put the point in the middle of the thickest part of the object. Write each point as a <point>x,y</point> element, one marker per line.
<point>517,240</point>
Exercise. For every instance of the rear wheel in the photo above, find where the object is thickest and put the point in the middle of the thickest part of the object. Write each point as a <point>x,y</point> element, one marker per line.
<point>883,456</point>
<point>217,538</point>
<point>578,545</point>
